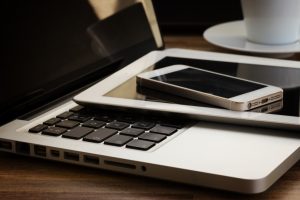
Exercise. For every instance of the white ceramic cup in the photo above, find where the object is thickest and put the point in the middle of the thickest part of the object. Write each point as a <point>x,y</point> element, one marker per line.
<point>272,22</point>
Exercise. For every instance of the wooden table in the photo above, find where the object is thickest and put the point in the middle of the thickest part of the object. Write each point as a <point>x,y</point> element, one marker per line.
<point>30,178</point>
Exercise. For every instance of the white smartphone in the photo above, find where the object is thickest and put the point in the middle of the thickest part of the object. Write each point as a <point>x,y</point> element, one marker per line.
<point>210,87</point>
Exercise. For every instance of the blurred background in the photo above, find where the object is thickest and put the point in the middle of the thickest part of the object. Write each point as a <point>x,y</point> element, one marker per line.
<point>194,16</point>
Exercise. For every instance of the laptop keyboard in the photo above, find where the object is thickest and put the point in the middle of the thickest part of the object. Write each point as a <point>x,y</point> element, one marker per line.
<point>110,128</point>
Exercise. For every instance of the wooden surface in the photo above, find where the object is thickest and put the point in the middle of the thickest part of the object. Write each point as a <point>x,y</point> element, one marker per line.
<point>29,178</point>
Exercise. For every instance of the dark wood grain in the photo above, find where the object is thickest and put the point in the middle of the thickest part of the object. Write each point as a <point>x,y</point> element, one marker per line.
<point>30,178</point>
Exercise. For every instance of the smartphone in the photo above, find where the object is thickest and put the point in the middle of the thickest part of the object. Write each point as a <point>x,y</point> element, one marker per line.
<point>210,87</point>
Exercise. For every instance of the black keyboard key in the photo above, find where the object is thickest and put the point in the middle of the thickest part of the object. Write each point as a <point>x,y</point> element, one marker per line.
<point>87,111</point>
<point>134,132</point>
<point>146,125</point>
<point>128,119</point>
<point>67,124</point>
<point>38,128</point>
<point>65,115</point>
<point>77,108</point>
<point>100,135</point>
<point>163,130</point>
<point>173,123</point>
<point>52,121</point>
<point>93,124</point>
<point>118,140</point>
<point>117,125</point>
<point>77,133</point>
<point>140,145</point>
<point>54,131</point>
<point>79,118</point>
<point>152,137</point>
<point>104,117</point>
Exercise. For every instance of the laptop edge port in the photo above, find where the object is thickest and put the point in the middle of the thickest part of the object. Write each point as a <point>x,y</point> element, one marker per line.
<point>39,150</point>
<point>54,153</point>
<point>5,145</point>
<point>22,148</point>
<point>119,164</point>
<point>71,156</point>
<point>91,159</point>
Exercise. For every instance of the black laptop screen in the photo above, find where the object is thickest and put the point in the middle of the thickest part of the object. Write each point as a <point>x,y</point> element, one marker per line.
<point>48,45</point>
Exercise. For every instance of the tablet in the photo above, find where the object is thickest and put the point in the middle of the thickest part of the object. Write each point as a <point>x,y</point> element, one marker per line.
<point>120,90</point>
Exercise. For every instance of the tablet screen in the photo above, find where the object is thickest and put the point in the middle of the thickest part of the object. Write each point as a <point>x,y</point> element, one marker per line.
<point>284,77</point>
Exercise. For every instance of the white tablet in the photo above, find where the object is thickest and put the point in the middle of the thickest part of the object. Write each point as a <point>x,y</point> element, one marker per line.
<point>120,91</point>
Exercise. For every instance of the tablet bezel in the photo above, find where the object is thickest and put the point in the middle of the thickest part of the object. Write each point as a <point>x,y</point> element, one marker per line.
<point>95,95</point>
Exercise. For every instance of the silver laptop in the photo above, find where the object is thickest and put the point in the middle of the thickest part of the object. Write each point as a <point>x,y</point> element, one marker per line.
<point>50,61</point>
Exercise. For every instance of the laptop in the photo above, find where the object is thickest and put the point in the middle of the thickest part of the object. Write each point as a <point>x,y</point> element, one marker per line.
<point>59,50</point>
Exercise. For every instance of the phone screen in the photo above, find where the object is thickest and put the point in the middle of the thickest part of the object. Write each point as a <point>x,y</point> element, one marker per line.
<point>207,82</point>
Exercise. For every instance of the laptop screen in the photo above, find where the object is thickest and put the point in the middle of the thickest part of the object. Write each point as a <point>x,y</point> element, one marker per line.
<point>51,47</point>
